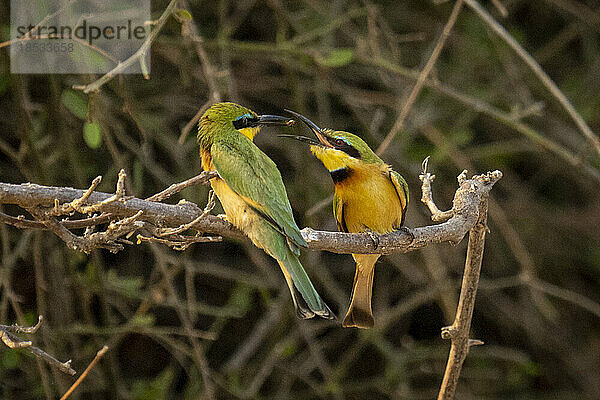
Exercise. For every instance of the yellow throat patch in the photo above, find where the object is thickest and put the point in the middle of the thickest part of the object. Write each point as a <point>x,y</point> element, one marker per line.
<point>333,159</point>
<point>250,132</point>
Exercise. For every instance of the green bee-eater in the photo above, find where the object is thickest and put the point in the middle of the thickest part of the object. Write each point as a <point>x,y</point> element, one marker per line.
<point>369,196</point>
<point>253,196</point>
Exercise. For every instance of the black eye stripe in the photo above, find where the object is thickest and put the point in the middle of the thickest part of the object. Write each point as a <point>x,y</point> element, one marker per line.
<point>340,144</point>
<point>245,122</point>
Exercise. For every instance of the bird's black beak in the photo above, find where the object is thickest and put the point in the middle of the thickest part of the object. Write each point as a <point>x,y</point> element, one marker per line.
<point>313,127</point>
<point>302,139</point>
<point>275,120</point>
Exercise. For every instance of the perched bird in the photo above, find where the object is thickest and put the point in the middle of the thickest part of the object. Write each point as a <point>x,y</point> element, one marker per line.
<point>250,188</point>
<point>369,197</point>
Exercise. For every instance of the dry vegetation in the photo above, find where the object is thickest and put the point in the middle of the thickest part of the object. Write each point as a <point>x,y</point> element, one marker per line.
<point>413,78</point>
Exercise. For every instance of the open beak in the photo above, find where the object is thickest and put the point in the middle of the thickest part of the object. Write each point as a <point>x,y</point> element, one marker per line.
<point>274,120</point>
<point>305,139</point>
<point>313,127</point>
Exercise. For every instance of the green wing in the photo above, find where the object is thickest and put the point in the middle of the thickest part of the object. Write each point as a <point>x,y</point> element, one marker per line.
<point>338,213</point>
<point>402,190</point>
<point>254,176</point>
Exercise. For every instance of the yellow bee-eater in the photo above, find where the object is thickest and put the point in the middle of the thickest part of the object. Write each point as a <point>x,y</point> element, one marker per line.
<point>369,196</point>
<point>251,191</point>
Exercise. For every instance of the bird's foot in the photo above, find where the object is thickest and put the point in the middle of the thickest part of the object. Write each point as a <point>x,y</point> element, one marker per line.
<point>223,217</point>
<point>406,230</point>
<point>374,237</point>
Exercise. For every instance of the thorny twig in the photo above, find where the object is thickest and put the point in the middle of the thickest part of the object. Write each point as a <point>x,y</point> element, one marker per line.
<point>89,240</point>
<point>8,337</point>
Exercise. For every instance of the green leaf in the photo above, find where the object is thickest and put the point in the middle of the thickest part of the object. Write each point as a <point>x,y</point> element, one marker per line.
<point>75,103</point>
<point>9,359</point>
<point>143,320</point>
<point>289,350</point>
<point>156,389</point>
<point>182,14</point>
<point>337,58</point>
<point>30,319</point>
<point>91,135</point>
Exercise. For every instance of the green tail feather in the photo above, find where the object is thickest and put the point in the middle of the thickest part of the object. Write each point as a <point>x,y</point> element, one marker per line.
<point>306,299</point>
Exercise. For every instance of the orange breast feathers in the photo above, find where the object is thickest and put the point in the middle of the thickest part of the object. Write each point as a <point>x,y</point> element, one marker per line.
<point>369,200</point>
<point>207,163</point>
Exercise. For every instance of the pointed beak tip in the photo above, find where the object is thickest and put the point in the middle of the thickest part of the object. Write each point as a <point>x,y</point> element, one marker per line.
<point>275,120</point>
<point>307,121</point>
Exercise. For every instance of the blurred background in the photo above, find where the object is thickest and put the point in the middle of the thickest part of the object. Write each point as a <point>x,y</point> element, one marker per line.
<point>216,320</point>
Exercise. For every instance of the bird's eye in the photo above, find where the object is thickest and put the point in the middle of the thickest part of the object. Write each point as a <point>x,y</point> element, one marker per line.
<point>339,142</point>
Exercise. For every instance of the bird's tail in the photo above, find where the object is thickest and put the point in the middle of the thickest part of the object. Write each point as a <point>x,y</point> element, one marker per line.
<point>359,313</point>
<point>307,301</point>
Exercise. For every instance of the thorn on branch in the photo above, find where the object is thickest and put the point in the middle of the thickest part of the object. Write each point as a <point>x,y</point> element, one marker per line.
<point>475,342</point>
<point>203,178</point>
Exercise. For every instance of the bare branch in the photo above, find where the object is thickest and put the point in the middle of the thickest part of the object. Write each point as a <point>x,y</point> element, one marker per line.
<point>460,329</point>
<point>465,214</point>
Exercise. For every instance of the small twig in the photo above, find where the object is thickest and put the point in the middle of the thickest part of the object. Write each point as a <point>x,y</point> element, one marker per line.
<point>427,195</point>
<point>95,361</point>
<point>62,366</point>
<point>500,7</point>
<point>27,36</point>
<point>181,242</point>
<point>23,329</point>
<point>210,204</point>
<point>91,240</point>
<point>203,178</point>
<point>76,204</point>
<point>12,341</point>
<point>192,123</point>
<point>178,242</point>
